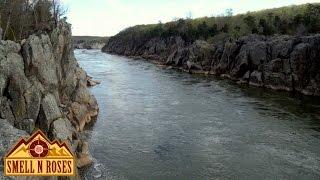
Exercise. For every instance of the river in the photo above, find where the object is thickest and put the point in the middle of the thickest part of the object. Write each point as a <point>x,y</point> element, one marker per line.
<point>157,123</point>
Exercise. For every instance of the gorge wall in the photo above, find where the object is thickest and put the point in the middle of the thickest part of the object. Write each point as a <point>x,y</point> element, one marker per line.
<point>284,62</point>
<point>42,86</point>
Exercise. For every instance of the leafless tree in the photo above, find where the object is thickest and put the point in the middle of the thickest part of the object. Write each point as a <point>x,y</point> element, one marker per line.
<point>20,18</point>
<point>58,10</point>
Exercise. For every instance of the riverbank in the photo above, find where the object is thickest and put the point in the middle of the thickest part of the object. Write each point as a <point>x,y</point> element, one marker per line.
<point>278,62</point>
<point>273,48</point>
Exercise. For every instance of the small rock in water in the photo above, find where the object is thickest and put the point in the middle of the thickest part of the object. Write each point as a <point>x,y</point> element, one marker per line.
<point>97,174</point>
<point>91,82</point>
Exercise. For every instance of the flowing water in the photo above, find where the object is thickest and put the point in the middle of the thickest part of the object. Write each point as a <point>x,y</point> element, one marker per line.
<point>157,123</point>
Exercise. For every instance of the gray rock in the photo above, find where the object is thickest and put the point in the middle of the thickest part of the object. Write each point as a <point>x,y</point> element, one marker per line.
<point>5,110</point>
<point>285,62</point>
<point>82,94</point>
<point>281,46</point>
<point>27,125</point>
<point>256,78</point>
<point>49,111</point>
<point>11,64</point>
<point>39,60</point>
<point>16,90</point>
<point>227,61</point>
<point>3,83</point>
<point>9,135</point>
<point>32,98</point>
<point>275,65</point>
<point>9,46</point>
<point>62,129</point>
<point>36,79</point>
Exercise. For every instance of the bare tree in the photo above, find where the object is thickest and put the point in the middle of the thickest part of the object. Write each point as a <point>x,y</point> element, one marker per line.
<point>58,10</point>
<point>9,13</point>
<point>229,12</point>
<point>0,33</point>
<point>20,18</point>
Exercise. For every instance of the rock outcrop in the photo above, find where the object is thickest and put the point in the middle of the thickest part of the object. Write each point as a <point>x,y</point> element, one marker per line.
<point>42,86</point>
<point>290,63</point>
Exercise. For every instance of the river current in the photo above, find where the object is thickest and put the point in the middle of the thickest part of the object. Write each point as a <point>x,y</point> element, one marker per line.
<point>157,123</point>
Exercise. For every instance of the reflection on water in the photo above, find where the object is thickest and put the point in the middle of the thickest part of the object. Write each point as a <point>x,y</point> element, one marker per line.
<point>162,124</point>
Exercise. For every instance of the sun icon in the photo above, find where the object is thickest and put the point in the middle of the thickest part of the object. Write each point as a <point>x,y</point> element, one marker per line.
<point>38,148</point>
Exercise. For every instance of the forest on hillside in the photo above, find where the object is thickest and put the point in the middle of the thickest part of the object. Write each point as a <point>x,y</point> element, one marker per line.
<point>88,39</point>
<point>20,18</point>
<point>292,20</point>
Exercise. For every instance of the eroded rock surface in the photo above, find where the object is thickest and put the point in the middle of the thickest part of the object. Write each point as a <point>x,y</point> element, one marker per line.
<point>40,81</point>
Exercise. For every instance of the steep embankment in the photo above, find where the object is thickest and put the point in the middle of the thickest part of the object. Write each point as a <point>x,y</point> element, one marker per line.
<point>42,86</point>
<point>283,62</point>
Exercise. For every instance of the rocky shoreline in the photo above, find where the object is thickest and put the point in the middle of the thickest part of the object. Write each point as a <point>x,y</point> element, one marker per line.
<point>280,62</point>
<point>42,86</point>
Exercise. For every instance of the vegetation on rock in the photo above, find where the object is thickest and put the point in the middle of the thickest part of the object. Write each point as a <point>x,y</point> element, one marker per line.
<point>292,20</point>
<point>21,18</point>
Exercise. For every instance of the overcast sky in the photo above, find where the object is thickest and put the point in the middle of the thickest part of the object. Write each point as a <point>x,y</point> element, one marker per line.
<point>108,17</point>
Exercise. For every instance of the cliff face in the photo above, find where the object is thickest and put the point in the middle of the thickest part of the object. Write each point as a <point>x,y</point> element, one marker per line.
<point>42,86</point>
<point>283,62</point>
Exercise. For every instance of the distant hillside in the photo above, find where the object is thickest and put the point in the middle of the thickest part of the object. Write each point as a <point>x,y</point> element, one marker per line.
<point>88,42</point>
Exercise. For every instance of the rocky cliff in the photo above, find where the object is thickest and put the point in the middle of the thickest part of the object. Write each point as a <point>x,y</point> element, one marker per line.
<point>283,62</point>
<point>42,86</point>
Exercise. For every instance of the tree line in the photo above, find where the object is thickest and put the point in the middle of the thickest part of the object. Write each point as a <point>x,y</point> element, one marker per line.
<point>20,18</point>
<point>292,20</point>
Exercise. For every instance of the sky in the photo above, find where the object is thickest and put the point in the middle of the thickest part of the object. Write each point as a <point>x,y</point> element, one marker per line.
<point>108,17</point>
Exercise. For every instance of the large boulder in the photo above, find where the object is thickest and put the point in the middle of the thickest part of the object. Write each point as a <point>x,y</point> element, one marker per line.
<point>62,129</point>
